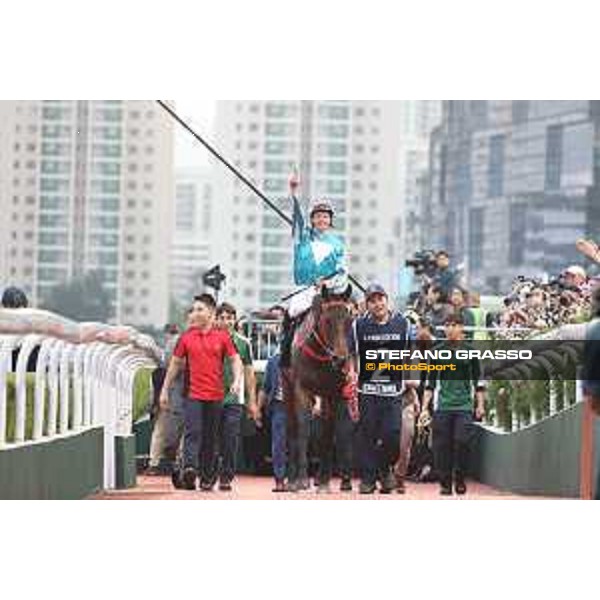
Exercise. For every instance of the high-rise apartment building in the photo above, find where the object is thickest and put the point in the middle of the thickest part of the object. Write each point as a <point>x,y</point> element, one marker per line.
<point>418,119</point>
<point>346,151</point>
<point>88,185</point>
<point>513,184</point>
<point>190,248</point>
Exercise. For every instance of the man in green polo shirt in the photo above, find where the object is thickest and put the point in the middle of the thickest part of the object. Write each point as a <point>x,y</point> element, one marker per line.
<point>475,318</point>
<point>233,405</point>
<point>454,391</point>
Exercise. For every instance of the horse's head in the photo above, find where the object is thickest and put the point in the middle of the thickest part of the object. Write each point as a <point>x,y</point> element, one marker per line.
<point>333,318</point>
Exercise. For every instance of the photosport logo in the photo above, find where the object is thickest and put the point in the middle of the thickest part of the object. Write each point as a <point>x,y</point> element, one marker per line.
<point>437,360</point>
<point>502,360</point>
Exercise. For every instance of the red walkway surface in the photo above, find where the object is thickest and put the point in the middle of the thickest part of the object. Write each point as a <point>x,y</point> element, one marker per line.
<point>259,488</point>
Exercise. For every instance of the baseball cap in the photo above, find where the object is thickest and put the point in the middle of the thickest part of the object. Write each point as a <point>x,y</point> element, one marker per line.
<point>375,288</point>
<point>576,270</point>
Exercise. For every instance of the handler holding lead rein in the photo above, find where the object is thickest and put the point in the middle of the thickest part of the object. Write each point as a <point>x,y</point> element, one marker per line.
<point>380,392</point>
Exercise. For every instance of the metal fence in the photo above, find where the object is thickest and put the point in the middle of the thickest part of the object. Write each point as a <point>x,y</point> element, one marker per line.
<point>264,336</point>
<point>66,377</point>
<point>515,403</point>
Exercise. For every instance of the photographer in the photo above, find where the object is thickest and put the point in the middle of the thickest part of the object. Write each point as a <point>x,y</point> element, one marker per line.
<point>444,277</point>
<point>434,270</point>
<point>437,308</point>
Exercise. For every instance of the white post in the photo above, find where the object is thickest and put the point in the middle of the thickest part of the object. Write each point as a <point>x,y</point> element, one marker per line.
<point>90,391</point>
<point>579,391</point>
<point>126,415</point>
<point>55,353</point>
<point>39,400</point>
<point>553,383</point>
<point>104,407</point>
<point>65,359</point>
<point>117,362</point>
<point>78,358</point>
<point>88,379</point>
<point>533,409</point>
<point>130,367</point>
<point>515,423</point>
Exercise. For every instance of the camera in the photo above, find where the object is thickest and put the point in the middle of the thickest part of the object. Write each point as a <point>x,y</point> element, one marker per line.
<point>423,263</point>
<point>558,284</point>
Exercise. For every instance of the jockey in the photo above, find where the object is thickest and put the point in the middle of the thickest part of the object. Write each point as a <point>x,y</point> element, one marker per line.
<point>319,256</point>
<point>319,262</point>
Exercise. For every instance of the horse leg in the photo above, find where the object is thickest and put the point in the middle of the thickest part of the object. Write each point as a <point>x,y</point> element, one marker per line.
<point>326,444</point>
<point>302,419</point>
<point>292,429</point>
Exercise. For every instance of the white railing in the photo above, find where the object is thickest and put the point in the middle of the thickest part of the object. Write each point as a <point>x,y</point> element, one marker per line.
<point>84,378</point>
<point>523,410</point>
<point>264,338</point>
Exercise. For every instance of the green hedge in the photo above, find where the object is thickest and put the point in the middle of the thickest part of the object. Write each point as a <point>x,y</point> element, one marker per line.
<point>141,399</point>
<point>142,393</point>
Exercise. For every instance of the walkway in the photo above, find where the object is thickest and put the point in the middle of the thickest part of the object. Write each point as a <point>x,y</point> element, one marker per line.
<point>259,488</point>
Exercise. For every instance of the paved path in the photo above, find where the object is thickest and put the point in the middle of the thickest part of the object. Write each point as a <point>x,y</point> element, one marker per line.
<point>259,488</point>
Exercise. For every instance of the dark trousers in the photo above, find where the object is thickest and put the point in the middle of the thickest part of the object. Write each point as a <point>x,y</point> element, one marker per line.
<point>451,437</point>
<point>344,440</point>
<point>229,437</point>
<point>200,436</point>
<point>335,435</point>
<point>379,431</point>
<point>279,439</point>
<point>298,433</point>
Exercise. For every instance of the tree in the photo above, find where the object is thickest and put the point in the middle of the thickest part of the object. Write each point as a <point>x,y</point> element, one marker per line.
<point>82,299</point>
<point>177,313</point>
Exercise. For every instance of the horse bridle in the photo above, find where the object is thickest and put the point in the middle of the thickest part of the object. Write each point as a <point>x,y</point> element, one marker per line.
<point>316,334</point>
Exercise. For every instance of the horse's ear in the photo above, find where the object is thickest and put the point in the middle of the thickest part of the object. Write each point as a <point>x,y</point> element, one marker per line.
<point>348,293</point>
<point>325,293</point>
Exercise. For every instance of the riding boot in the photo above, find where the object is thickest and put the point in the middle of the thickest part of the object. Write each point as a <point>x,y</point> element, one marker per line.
<point>287,336</point>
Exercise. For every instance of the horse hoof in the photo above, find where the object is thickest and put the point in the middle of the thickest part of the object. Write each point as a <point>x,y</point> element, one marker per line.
<point>293,487</point>
<point>303,485</point>
<point>324,488</point>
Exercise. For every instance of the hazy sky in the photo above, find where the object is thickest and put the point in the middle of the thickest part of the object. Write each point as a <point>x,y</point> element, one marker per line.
<point>200,115</point>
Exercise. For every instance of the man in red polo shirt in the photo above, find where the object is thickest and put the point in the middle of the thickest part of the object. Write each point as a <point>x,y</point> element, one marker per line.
<point>203,347</point>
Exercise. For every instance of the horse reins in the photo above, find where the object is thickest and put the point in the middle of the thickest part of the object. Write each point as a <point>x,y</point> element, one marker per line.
<point>317,335</point>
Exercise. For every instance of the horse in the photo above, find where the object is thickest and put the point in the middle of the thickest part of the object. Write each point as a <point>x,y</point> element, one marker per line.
<point>320,368</point>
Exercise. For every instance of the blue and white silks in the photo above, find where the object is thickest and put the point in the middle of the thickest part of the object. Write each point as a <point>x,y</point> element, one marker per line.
<point>317,255</point>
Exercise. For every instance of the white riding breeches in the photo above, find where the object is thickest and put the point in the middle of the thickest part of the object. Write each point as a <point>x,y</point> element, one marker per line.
<point>301,302</point>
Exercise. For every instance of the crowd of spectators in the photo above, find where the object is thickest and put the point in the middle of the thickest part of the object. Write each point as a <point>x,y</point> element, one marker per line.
<point>532,304</point>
